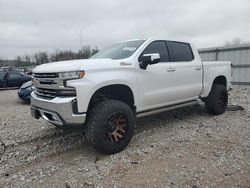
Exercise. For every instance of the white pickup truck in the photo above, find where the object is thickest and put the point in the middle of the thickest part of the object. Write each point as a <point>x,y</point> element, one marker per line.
<point>105,94</point>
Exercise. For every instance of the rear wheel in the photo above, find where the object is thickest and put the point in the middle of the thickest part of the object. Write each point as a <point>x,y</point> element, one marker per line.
<point>217,100</point>
<point>110,126</point>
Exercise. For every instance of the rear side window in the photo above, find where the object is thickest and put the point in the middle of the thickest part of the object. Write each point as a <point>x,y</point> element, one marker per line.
<point>180,51</point>
<point>14,76</point>
<point>157,47</point>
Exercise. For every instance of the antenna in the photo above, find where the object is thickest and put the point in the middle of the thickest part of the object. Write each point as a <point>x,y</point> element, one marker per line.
<point>80,38</point>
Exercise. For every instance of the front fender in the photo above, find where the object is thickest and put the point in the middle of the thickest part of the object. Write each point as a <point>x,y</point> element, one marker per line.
<point>86,87</point>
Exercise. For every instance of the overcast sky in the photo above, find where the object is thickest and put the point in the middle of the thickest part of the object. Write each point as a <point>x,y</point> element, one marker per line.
<point>28,26</point>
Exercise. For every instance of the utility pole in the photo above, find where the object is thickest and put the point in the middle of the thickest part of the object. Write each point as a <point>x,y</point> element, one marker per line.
<point>80,39</point>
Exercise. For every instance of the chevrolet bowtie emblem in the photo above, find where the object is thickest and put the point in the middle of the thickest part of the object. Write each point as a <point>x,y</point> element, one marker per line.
<point>35,81</point>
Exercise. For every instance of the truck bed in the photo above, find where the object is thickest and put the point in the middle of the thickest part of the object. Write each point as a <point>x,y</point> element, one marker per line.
<point>213,69</point>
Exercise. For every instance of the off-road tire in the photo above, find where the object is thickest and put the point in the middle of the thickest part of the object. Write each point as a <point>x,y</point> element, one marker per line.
<point>98,121</point>
<point>217,100</point>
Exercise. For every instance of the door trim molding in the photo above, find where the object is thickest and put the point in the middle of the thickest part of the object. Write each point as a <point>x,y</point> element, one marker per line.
<point>166,108</point>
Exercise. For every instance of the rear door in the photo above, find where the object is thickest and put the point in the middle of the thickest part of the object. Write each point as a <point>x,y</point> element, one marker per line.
<point>156,83</point>
<point>188,71</point>
<point>14,79</point>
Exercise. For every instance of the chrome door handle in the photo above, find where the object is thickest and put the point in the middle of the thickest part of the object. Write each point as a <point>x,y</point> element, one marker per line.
<point>197,68</point>
<point>171,69</point>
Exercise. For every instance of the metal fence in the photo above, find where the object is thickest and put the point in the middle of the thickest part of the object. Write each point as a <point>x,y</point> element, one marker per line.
<point>240,58</point>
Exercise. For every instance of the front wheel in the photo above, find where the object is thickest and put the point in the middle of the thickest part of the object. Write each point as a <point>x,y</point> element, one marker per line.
<point>217,100</point>
<point>110,126</point>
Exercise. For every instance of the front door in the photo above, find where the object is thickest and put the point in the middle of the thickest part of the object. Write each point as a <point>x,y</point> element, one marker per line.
<point>14,79</point>
<point>2,79</point>
<point>157,83</point>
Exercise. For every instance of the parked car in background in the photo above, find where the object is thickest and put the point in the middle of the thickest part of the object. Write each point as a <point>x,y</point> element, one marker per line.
<point>13,79</point>
<point>25,91</point>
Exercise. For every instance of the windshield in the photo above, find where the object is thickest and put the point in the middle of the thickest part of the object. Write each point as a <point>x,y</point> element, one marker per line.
<point>119,51</point>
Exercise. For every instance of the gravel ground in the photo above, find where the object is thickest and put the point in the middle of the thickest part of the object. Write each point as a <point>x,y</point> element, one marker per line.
<point>180,148</point>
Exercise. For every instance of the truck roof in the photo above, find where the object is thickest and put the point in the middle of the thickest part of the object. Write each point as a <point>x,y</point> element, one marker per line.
<point>157,38</point>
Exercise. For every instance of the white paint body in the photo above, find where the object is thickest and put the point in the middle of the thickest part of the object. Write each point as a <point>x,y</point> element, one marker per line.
<point>152,88</point>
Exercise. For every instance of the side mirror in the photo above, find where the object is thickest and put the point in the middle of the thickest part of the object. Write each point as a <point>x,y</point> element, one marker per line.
<point>149,59</point>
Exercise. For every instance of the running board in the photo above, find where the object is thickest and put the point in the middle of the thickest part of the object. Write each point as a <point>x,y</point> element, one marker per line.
<point>156,111</point>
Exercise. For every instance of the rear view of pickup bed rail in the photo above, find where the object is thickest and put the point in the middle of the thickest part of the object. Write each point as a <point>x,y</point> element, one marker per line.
<point>105,94</point>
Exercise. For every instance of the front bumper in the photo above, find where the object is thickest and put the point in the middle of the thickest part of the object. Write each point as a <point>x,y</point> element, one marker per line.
<point>59,111</point>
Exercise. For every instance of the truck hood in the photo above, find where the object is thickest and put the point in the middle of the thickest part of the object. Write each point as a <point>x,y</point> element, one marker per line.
<point>75,65</point>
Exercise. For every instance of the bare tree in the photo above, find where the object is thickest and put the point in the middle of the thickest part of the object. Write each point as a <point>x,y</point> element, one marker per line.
<point>62,55</point>
<point>234,42</point>
<point>84,52</point>
<point>41,58</point>
<point>27,60</point>
<point>94,51</point>
<point>18,61</point>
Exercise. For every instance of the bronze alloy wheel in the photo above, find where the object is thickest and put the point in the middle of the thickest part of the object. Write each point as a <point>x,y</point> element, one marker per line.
<point>116,125</point>
<point>110,126</point>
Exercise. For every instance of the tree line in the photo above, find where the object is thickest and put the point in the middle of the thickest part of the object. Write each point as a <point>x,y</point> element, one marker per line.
<point>44,57</point>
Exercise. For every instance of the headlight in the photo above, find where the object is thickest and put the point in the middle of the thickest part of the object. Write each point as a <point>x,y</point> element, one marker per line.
<point>71,75</point>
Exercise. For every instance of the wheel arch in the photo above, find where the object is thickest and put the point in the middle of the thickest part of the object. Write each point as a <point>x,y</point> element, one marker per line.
<point>208,84</point>
<point>121,92</point>
<point>220,80</point>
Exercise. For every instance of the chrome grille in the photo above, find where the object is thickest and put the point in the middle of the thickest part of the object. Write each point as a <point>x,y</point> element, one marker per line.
<point>46,93</point>
<point>49,86</point>
<point>45,75</point>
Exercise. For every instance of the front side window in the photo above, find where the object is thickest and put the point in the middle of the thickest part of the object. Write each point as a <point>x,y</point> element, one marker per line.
<point>180,51</point>
<point>119,51</point>
<point>2,75</point>
<point>159,47</point>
